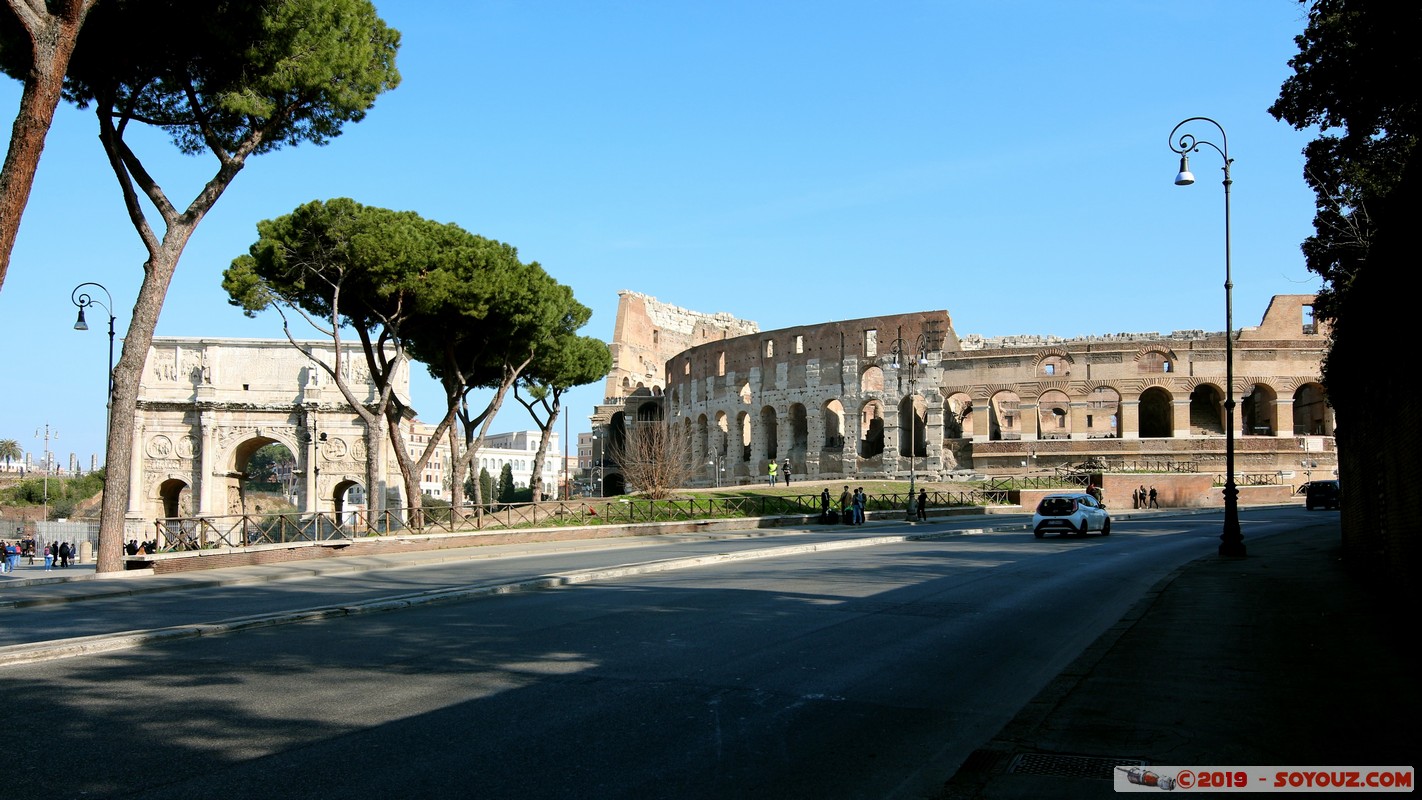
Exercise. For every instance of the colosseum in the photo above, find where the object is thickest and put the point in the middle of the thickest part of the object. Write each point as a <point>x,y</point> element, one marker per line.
<point>887,396</point>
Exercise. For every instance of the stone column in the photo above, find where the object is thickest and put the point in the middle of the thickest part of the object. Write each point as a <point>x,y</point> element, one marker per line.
<point>205,493</point>
<point>1030,410</point>
<point>1180,418</point>
<point>933,431</point>
<point>814,440</point>
<point>982,418</point>
<point>1284,417</point>
<point>1079,411</point>
<point>1129,425</point>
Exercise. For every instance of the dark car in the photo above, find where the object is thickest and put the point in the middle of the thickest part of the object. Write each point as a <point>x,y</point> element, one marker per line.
<point>1322,494</point>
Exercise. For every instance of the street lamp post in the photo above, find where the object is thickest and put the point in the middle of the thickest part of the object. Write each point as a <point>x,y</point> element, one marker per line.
<point>1232,538</point>
<point>900,360</point>
<point>45,465</point>
<point>716,463</point>
<point>84,300</point>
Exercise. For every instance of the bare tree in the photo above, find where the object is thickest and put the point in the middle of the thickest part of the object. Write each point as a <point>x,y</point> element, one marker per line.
<point>655,457</point>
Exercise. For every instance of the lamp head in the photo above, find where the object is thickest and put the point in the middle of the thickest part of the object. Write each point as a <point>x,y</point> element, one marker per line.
<point>1185,177</point>
<point>80,324</point>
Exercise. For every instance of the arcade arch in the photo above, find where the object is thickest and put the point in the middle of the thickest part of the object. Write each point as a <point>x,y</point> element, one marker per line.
<point>1004,416</point>
<point>1157,410</point>
<point>958,416</point>
<point>871,422</point>
<point>1053,415</point>
<point>1207,411</point>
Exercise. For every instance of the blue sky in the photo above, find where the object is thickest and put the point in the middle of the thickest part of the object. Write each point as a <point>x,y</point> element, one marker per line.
<point>786,162</point>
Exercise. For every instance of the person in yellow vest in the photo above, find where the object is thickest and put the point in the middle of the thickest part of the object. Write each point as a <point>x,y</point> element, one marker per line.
<point>771,470</point>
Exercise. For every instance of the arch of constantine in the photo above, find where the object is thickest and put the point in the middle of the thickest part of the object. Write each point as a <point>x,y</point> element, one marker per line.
<point>883,395</point>
<point>206,405</point>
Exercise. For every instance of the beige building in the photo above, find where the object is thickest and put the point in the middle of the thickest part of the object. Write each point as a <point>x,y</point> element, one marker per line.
<point>206,405</point>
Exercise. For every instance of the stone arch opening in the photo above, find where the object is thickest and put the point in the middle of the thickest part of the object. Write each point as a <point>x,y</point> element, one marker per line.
<point>799,436</point>
<point>1054,366</point>
<point>614,484</point>
<point>770,428</point>
<point>871,422</point>
<point>649,412</point>
<point>1207,411</point>
<point>347,500</point>
<point>1157,417</point>
<point>1155,362</point>
<point>1005,417</point>
<point>616,434</point>
<point>743,430</point>
<point>247,473</point>
<point>871,380</point>
<point>913,426</point>
<point>958,416</point>
<point>1103,413</point>
<point>834,424</point>
<point>177,498</point>
<point>1312,415</point>
<point>1054,415</point>
<point>1257,411</point>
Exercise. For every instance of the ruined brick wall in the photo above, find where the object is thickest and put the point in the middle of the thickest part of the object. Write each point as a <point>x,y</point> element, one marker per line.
<point>648,333</point>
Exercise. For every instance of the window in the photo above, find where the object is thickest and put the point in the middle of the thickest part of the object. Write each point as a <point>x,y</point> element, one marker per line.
<point>721,363</point>
<point>871,343</point>
<point>799,343</point>
<point>770,348</point>
<point>1310,324</point>
<point>1049,369</point>
<point>656,337</point>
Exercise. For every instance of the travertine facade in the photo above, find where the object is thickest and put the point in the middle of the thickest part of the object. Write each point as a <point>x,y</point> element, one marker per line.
<point>206,405</point>
<point>830,398</point>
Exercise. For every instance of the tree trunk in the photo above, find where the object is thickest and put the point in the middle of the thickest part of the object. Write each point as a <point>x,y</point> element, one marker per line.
<point>537,479</point>
<point>128,374</point>
<point>52,38</point>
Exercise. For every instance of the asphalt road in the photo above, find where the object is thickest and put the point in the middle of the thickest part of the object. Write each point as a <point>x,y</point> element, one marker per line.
<point>868,672</point>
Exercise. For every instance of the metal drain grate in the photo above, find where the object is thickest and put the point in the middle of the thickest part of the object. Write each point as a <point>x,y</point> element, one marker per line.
<point>1069,766</point>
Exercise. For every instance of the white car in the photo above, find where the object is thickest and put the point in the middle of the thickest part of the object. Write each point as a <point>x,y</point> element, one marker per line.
<point>1075,513</point>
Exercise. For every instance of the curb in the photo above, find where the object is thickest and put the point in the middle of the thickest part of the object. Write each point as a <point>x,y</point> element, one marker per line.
<point>102,643</point>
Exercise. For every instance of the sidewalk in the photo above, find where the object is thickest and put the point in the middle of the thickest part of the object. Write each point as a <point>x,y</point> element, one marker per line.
<point>1281,658</point>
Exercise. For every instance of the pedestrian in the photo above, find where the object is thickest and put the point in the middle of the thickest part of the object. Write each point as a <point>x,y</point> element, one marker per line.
<point>4,557</point>
<point>1142,503</point>
<point>923,504</point>
<point>12,556</point>
<point>785,468</point>
<point>48,558</point>
<point>64,554</point>
<point>824,505</point>
<point>846,505</point>
<point>860,500</point>
<point>1153,503</point>
<point>771,471</point>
